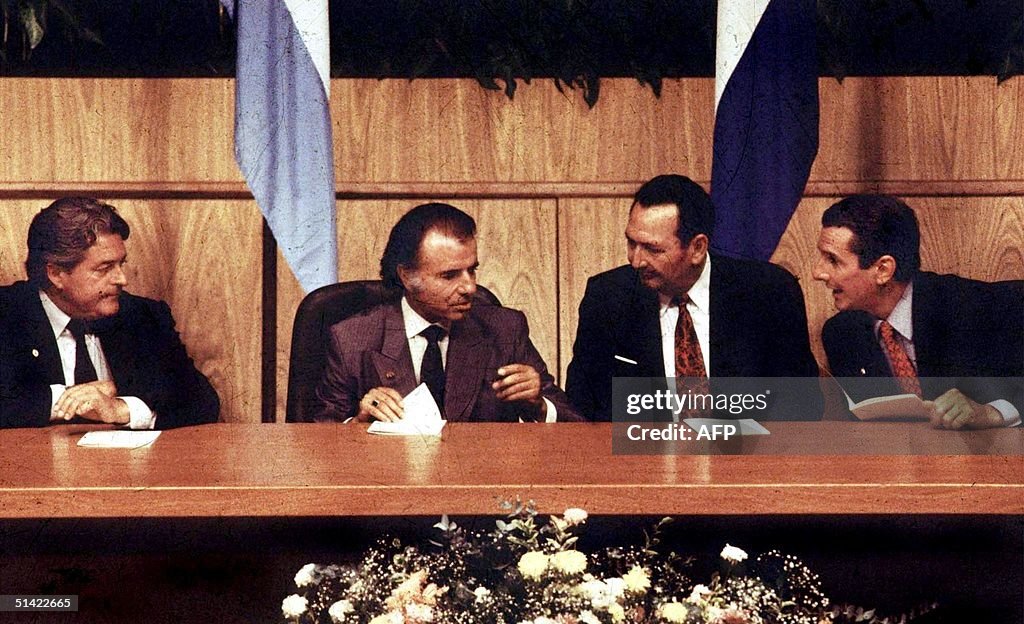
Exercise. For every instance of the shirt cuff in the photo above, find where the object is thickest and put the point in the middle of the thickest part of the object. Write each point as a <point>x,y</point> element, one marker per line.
<point>55,391</point>
<point>1011,417</point>
<point>552,415</point>
<point>139,414</point>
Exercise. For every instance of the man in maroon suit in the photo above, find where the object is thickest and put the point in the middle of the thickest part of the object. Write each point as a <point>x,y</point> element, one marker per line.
<point>476,359</point>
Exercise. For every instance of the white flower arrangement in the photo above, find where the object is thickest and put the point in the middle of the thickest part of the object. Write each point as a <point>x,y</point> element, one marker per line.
<point>293,607</point>
<point>527,573</point>
<point>733,554</point>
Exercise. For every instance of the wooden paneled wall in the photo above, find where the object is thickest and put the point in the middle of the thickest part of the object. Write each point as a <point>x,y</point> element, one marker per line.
<point>547,178</point>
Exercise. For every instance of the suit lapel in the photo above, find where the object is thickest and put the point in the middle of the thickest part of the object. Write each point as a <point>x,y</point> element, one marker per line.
<point>642,339</point>
<point>723,358</point>
<point>41,342</point>
<point>926,315</point>
<point>464,370</point>
<point>394,363</point>
<point>121,358</point>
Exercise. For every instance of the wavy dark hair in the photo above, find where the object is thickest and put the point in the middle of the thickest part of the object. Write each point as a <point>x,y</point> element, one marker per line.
<point>881,225</point>
<point>63,231</point>
<point>406,237</point>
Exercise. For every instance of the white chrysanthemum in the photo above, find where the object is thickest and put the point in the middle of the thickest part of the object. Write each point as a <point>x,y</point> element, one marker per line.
<point>616,587</point>
<point>532,564</point>
<point>588,617</point>
<point>481,593</point>
<point>636,580</point>
<point>305,575</point>
<point>339,610</point>
<point>733,554</point>
<point>569,562</point>
<point>617,612</point>
<point>294,606</point>
<point>597,592</point>
<point>673,612</point>
<point>575,515</point>
<point>698,593</point>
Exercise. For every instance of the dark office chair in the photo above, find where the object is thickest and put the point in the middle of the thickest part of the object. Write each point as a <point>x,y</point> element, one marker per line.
<point>311,334</point>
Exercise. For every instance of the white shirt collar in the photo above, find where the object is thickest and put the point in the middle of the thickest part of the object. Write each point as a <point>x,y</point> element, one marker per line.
<point>901,318</point>
<point>699,293</point>
<point>58,319</point>
<point>414,323</point>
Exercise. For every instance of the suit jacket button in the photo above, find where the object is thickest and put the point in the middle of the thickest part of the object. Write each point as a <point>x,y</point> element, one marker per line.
<point>35,353</point>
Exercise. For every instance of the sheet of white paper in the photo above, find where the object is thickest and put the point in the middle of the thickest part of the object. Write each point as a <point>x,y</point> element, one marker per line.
<point>118,439</point>
<point>421,416</point>
<point>745,426</point>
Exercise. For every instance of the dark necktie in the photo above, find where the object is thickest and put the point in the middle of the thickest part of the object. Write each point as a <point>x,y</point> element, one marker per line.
<point>902,367</point>
<point>431,370</point>
<point>691,375</point>
<point>84,370</point>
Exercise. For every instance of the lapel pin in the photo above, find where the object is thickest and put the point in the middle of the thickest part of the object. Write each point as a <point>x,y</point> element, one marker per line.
<point>35,353</point>
<point>389,375</point>
<point>863,372</point>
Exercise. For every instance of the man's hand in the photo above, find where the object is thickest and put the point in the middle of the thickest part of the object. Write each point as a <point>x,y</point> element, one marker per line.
<point>954,410</point>
<point>96,400</point>
<point>520,382</point>
<point>381,403</point>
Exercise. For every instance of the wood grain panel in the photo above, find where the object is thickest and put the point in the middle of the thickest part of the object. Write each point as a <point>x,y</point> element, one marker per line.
<point>980,238</point>
<point>198,257</point>
<point>516,248</point>
<point>116,129</point>
<point>452,130</point>
<point>436,131</point>
<point>920,128</point>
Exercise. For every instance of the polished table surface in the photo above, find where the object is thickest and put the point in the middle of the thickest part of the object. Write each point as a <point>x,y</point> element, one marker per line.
<point>339,470</point>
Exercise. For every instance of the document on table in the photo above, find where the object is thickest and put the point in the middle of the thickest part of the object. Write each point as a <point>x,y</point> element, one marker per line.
<point>420,416</point>
<point>118,439</point>
<point>744,426</point>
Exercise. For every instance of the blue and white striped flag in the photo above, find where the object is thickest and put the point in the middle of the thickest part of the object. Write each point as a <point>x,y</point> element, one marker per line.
<point>766,120</point>
<point>283,128</point>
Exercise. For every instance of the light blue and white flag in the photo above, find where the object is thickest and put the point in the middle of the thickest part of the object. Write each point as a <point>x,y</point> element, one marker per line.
<point>283,128</point>
<point>766,121</point>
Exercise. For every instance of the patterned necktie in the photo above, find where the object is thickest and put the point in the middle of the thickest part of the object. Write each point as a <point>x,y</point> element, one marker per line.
<point>84,370</point>
<point>902,367</point>
<point>431,370</point>
<point>689,360</point>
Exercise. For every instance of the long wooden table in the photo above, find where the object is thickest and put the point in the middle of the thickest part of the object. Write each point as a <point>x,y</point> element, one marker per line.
<point>240,470</point>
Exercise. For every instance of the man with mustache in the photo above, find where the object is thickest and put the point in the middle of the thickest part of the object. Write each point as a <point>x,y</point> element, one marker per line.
<point>679,311</point>
<point>75,346</point>
<point>958,343</point>
<point>476,359</point>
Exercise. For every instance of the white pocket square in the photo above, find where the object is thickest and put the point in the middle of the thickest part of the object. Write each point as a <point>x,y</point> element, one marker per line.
<point>625,359</point>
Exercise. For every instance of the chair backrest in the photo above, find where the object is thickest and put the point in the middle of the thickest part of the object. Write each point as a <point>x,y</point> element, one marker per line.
<point>318,311</point>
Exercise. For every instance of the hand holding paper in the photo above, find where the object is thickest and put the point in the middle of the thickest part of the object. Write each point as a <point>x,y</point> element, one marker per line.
<point>420,416</point>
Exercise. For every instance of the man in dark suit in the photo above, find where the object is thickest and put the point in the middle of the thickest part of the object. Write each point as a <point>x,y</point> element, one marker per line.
<point>74,345</point>
<point>477,360</point>
<point>955,341</point>
<point>678,311</point>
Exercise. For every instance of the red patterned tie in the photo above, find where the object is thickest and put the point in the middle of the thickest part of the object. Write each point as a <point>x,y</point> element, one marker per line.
<point>902,367</point>
<point>689,360</point>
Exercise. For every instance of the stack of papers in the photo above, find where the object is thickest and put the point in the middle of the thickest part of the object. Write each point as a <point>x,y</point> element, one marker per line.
<point>420,416</point>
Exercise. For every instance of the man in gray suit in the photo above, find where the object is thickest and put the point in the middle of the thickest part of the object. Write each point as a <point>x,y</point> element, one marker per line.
<point>477,360</point>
